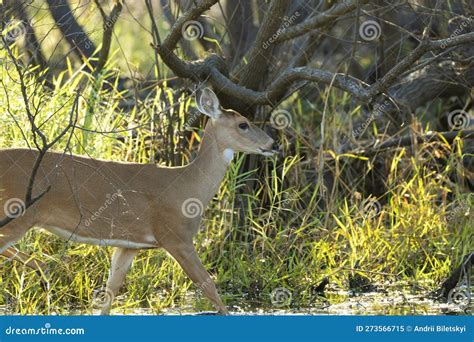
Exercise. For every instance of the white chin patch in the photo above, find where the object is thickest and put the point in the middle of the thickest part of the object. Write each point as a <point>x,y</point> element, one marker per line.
<point>228,155</point>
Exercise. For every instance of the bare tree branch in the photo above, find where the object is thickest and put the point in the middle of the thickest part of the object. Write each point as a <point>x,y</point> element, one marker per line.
<point>108,25</point>
<point>410,139</point>
<point>63,15</point>
<point>252,73</point>
<point>30,199</point>
<point>425,46</point>
<point>214,69</point>
<point>320,20</point>
<point>169,44</point>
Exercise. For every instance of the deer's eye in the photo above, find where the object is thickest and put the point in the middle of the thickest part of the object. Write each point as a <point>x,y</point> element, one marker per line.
<point>244,126</point>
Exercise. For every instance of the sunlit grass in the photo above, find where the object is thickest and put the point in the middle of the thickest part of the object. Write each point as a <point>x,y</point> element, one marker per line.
<point>285,236</point>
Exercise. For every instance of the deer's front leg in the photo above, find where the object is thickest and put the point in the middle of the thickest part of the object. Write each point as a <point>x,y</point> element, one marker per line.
<point>186,256</point>
<point>121,262</point>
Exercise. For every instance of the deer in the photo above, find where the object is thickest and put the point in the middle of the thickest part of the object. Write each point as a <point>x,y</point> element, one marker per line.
<point>130,206</point>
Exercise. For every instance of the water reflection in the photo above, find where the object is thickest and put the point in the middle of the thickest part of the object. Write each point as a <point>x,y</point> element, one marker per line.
<point>399,299</point>
<point>387,300</point>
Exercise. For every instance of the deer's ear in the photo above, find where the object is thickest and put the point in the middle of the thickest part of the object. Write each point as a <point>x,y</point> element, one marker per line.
<point>208,103</point>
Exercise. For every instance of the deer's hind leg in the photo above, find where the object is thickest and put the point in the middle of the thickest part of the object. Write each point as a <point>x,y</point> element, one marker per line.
<point>121,263</point>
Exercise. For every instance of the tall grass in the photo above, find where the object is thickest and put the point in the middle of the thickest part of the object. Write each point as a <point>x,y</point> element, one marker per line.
<point>293,233</point>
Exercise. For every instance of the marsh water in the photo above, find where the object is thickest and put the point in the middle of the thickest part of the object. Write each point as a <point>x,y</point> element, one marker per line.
<point>385,300</point>
<point>394,299</point>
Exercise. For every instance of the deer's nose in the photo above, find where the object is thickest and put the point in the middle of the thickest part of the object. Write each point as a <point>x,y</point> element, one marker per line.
<point>275,146</point>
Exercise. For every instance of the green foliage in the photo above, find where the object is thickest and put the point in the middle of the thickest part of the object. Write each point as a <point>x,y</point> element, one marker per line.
<point>286,237</point>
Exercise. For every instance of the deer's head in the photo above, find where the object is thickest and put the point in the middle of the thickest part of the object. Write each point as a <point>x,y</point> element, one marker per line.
<point>234,132</point>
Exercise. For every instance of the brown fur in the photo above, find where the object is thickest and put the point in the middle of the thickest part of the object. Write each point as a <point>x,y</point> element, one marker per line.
<point>127,205</point>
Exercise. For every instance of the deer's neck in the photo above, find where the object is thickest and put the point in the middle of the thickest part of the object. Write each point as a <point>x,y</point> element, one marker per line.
<point>210,165</point>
